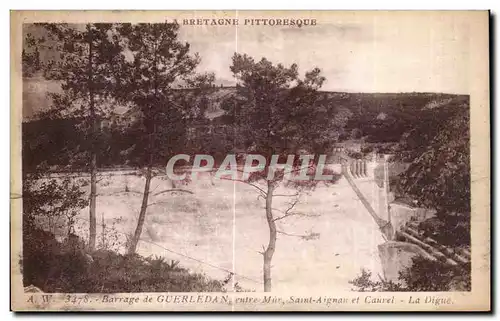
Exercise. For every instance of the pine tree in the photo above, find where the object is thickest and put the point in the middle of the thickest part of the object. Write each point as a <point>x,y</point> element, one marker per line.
<point>86,66</point>
<point>159,62</point>
<point>279,113</point>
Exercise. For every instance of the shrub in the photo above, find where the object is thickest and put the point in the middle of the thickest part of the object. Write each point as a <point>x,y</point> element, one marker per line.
<point>422,275</point>
<point>364,283</point>
<point>425,275</point>
<point>55,266</point>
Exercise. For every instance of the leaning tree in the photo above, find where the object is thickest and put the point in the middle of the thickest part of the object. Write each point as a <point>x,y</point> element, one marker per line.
<point>163,91</point>
<point>278,114</point>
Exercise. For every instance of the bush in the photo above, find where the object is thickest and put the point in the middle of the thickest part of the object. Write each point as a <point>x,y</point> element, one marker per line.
<point>55,266</point>
<point>422,275</point>
<point>425,275</point>
<point>364,283</point>
<point>449,229</point>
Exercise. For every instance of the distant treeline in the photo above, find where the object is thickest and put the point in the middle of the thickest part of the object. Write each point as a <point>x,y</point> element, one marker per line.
<point>374,118</point>
<point>385,117</point>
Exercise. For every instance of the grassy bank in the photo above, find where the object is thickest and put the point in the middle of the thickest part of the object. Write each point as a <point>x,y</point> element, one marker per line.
<point>67,267</point>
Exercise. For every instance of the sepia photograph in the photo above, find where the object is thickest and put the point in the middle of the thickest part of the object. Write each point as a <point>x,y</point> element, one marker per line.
<point>250,160</point>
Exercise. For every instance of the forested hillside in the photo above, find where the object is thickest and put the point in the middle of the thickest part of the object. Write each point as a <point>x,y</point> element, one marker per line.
<point>373,117</point>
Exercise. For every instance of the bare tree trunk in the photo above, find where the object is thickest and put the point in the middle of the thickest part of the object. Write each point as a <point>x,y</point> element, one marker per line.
<point>93,157</point>
<point>142,214</point>
<point>151,130</point>
<point>268,254</point>
<point>92,206</point>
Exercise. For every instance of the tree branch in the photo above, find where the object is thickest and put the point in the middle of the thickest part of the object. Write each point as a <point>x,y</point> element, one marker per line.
<point>287,212</point>
<point>264,194</point>
<point>289,234</point>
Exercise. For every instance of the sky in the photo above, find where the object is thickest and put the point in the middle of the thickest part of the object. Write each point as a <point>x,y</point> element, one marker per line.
<point>356,51</point>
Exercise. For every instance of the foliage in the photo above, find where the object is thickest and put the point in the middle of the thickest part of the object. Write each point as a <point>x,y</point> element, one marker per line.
<point>439,174</point>
<point>84,61</point>
<point>423,275</point>
<point>84,67</point>
<point>158,129</point>
<point>53,266</point>
<point>216,136</point>
<point>159,113</point>
<point>52,202</point>
<point>30,62</point>
<point>276,112</point>
<point>49,143</point>
<point>272,111</point>
<point>449,229</point>
<point>110,238</point>
<point>364,283</point>
<point>385,117</point>
<point>68,266</point>
<point>157,119</point>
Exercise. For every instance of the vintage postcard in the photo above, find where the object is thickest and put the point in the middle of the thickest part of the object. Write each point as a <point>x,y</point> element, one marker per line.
<point>250,161</point>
